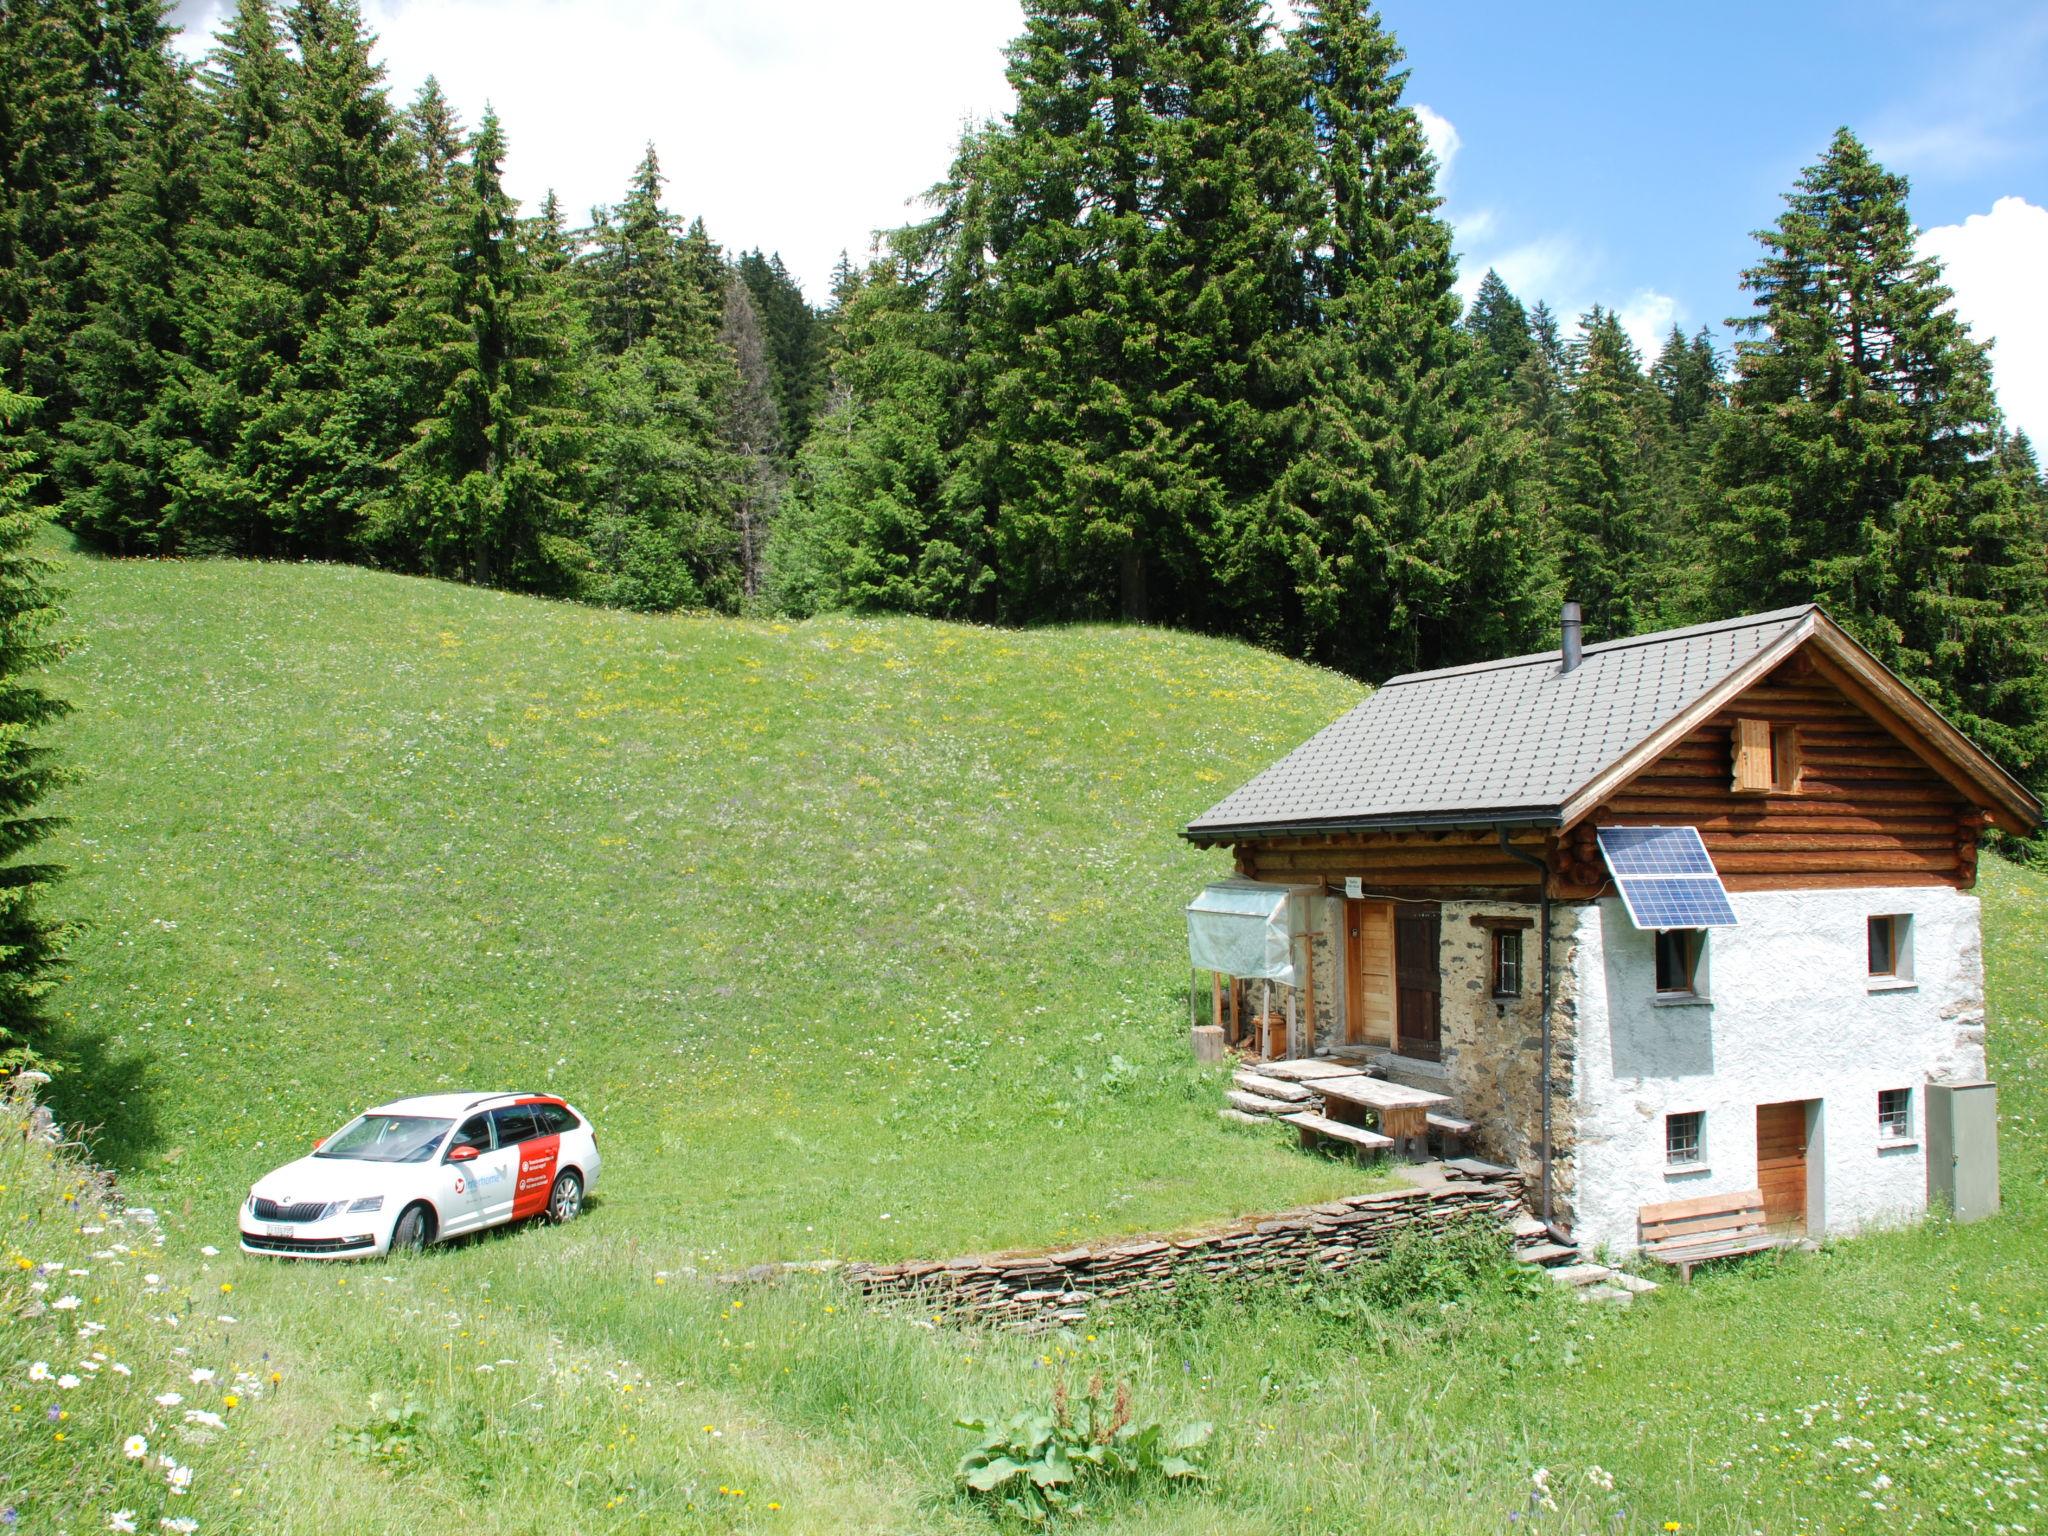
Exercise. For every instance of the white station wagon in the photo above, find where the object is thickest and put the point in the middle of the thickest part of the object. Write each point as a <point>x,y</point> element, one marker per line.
<point>415,1171</point>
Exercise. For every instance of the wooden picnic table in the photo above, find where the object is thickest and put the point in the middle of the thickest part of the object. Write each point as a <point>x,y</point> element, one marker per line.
<point>1402,1112</point>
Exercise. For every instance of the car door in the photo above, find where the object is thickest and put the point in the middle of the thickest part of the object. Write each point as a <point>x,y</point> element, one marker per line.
<point>539,1151</point>
<point>462,1196</point>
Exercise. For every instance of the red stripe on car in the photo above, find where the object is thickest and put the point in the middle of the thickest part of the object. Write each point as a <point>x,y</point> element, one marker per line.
<point>537,1160</point>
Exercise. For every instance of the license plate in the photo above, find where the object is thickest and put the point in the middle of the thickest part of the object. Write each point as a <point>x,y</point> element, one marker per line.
<point>277,1231</point>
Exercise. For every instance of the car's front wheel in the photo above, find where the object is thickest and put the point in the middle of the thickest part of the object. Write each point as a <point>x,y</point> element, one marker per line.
<point>565,1200</point>
<point>414,1231</point>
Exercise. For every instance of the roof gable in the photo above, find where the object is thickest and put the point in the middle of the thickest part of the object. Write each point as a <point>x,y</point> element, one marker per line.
<point>1522,740</point>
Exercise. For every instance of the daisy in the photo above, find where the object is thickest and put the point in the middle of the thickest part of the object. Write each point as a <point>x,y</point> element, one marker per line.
<point>180,1479</point>
<point>40,1371</point>
<point>135,1448</point>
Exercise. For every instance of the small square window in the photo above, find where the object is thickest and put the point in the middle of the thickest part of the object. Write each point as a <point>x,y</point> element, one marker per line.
<point>1685,1138</point>
<point>1895,1113</point>
<point>1507,962</point>
<point>1768,759</point>
<point>1678,961</point>
<point>1890,947</point>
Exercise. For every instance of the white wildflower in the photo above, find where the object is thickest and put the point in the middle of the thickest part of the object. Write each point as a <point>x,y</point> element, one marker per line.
<point>121,1520</point>
<point>169,1399</point>
<point>201,1375</point>
<point>67,1303</point>
<point>201,1416</point>
<point>67,1381</point>
<point>135,1448</point>
<point>184,1525</point>
<point>40,1371</point>
<point>179,1479</point>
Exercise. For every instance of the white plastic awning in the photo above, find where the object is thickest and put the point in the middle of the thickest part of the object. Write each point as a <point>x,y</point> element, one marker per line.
<point>1247,928</point>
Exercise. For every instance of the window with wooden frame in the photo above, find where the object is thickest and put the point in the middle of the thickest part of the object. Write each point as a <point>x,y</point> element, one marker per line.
<point>1767,758</point>
<point>1679,952</point>
<point>1685,1139</point>
<point>1895,1114</point>
<point>1507,962</point>
<point>1890,947</point>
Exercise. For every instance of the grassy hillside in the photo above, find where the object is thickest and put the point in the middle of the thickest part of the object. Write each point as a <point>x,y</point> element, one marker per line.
<point>852,937</point>
<point>827,925</point>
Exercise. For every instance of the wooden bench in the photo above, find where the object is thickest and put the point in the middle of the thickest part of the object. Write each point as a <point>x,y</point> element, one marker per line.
<point>1315,1128</point>
<point>1683,1233</point>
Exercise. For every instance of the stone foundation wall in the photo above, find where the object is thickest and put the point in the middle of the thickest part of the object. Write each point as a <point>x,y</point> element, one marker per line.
<point>1493,1047</point>
<point>1033,1291</point>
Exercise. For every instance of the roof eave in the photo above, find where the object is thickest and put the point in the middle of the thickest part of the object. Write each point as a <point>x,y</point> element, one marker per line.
<point>1398,821</point>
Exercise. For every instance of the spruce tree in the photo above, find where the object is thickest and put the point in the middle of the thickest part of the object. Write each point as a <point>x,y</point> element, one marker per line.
<point>122,457</point>
<point>31,940</point>
<point>1500,325</point>
<point>1396,432</point>
<point>74,77</point>
<point>886,505</point>
<point>1607,478</point>
<point>751,427</point>
<point>796,342</point>
<point>483,491</point>
<point>1857,465</point>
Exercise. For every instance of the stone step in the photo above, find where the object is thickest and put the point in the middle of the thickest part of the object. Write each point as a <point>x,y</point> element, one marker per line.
<point>1546,1254</point>
<point>1270,1087</point>
<point>1255,1104</point>
<point>1313,1125</point>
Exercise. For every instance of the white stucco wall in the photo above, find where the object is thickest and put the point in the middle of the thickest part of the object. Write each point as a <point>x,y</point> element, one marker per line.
<point>1792,1015</point>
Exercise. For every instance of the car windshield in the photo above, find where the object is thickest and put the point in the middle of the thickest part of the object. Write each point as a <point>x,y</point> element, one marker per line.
<point>386,1139</point>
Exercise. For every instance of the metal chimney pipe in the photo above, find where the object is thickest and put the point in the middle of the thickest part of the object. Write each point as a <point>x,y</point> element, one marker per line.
<point>1574,649</point>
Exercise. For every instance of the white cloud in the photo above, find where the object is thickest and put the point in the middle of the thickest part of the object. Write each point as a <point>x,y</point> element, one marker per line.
<point>1648,318</point>
<point>1444,142</point>
<point>800,127</point>
<point>1995,262</point>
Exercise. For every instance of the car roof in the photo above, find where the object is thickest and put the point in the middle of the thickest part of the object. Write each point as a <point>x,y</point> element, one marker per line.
<point>449,1105</point>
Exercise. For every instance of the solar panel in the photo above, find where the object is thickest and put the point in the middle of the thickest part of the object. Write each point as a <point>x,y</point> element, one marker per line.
<point>1665,877</point>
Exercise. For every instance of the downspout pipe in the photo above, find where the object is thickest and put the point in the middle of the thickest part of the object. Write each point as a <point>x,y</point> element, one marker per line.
<point>1543,886</point>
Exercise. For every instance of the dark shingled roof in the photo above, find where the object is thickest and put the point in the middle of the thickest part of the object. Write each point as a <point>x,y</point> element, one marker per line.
<point>1500,740</point>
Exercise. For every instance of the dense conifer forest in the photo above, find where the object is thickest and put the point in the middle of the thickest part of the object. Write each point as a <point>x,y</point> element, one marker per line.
<point>1180,341</point>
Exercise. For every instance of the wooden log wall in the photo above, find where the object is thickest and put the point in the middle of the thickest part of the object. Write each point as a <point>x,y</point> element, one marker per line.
<point>1866,810</point>
<point>1424,866</point>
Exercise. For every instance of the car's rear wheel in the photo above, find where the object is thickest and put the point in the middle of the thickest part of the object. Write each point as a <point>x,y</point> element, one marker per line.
<point>565,1200</point>
<point>414,1231</point>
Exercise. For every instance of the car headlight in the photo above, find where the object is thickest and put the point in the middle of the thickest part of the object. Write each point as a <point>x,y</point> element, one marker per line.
<point>367,1203</point>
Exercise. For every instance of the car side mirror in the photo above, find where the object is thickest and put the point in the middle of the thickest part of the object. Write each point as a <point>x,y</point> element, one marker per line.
<point>462,1154</point>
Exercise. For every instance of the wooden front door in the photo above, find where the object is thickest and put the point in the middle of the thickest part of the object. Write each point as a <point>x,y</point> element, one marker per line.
<point>1368,972</point>
<point>1781,1164</point>
<point>1418,982</point>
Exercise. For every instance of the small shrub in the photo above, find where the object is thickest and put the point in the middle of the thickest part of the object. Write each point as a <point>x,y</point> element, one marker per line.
<point>397,1432</point>
<point>1036,1465</point>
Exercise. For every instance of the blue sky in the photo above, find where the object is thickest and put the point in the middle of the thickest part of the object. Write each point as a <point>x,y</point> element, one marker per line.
<point>1615,151</point>
<point>1609,152</point>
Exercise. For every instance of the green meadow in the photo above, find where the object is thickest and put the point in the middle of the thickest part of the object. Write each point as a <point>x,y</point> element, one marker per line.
<point>855,938</point>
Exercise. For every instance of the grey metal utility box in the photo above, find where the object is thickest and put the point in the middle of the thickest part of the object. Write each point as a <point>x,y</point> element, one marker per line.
<point>1962,1148</point>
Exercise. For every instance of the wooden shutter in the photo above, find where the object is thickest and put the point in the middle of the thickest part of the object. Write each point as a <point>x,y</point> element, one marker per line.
<point>1752,757</point>
<point>1786,759</point>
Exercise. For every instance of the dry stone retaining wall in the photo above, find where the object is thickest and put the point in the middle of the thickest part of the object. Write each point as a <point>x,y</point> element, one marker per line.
<point>1046,1290</point>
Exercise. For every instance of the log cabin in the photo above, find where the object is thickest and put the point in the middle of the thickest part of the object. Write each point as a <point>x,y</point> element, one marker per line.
<point>1674,918</point>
